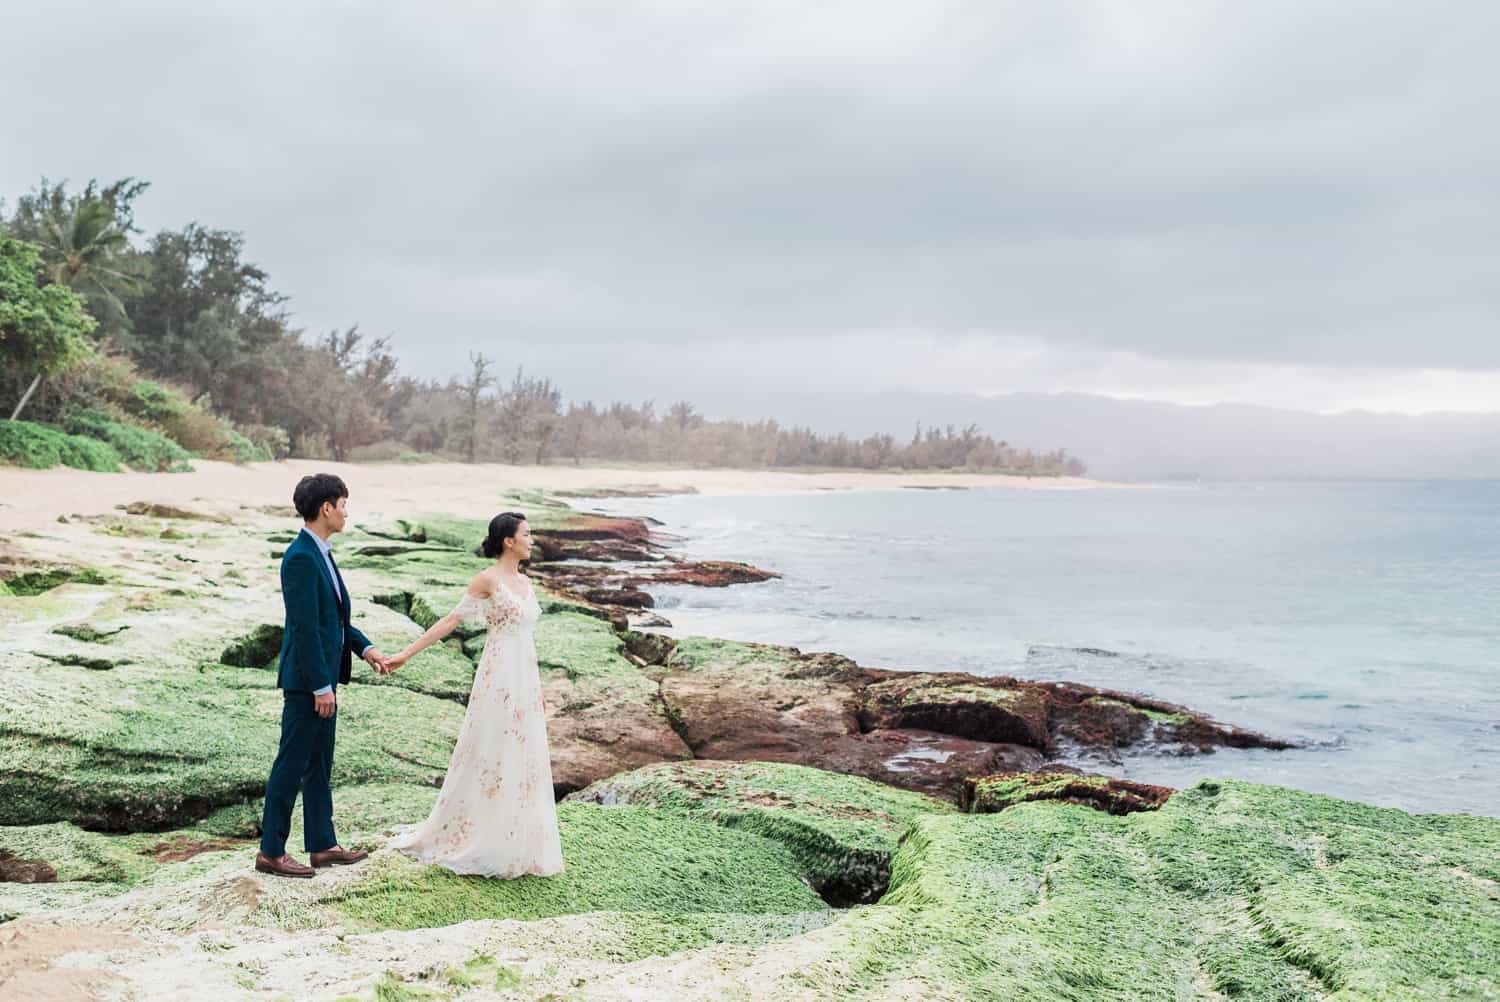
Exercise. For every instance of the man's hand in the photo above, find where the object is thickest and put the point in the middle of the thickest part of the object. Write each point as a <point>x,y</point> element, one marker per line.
<point>377,660</point>
<point>324,704</point>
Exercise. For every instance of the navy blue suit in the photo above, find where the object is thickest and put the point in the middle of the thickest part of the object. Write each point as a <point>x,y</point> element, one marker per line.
<point>317,649</point>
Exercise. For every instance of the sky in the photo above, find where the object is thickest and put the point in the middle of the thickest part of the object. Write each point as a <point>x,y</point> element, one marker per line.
<point>1280,203</point>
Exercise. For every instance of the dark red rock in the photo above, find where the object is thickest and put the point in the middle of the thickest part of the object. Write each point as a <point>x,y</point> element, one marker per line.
<point>711,574</point>
<point>551,548</point>
<point>25,871</point>
<point>181,849</point>
<point>939,764</point>
<point>591,738</point>
<point>154,510</point>
<point>995,710</point>
<point>630,598</point>
<point>918,730</point>
<point>993,793</point>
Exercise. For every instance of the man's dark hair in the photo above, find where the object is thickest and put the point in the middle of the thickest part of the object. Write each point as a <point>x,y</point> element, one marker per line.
<point>312,491</point>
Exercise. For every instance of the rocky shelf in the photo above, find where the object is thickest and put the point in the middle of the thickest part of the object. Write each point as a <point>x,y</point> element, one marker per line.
<point>739,820</point>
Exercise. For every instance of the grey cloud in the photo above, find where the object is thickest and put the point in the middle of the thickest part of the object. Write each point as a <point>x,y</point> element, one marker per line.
<point>1260,181</point>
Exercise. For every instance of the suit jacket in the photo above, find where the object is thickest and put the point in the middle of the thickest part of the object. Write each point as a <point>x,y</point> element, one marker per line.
<point>318,641</point>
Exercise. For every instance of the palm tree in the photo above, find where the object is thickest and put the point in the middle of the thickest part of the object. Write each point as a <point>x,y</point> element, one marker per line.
<point>85,244</point>
<point>82,250</point>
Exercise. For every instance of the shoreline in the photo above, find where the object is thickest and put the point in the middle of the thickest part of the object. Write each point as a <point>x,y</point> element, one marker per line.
<point>711,788</point>
<point>31,499</point>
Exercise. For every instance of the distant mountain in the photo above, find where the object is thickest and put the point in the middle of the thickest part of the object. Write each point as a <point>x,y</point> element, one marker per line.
<point>1150,440</point>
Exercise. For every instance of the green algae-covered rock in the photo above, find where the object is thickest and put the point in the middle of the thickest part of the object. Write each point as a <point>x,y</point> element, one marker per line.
<point>138,749</point>
<point>77,854</point>
<point>701,881</point>
<point>1251,891</point>
<point>841,828</point>
<point>624,859</point>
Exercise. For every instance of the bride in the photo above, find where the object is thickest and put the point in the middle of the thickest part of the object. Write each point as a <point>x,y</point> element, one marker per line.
<point>495,815</point>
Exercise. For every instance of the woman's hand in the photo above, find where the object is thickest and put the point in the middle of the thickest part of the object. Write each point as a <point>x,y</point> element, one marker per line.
<point>396,661</point>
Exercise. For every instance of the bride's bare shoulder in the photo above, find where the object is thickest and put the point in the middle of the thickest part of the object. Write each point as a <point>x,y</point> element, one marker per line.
<point>482,585</point>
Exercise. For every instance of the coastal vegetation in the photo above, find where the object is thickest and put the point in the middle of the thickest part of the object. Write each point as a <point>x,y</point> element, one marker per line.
<point>174,345</point>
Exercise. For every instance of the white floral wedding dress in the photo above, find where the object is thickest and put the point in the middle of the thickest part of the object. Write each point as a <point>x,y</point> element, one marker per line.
<point>495,815</point>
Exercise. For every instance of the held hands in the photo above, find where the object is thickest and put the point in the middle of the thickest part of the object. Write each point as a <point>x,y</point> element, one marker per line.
<point>383,664</point>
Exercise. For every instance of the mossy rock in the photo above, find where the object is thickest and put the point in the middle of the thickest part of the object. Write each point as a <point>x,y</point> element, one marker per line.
<point>464,534</point>
<point>842,829</point>
<point>959,705</point>
<point>1246,890</point>
<point>259,648</point>
<point>145,751</point>
<point>88,633</point>
<point>92,662</point>
<point>543,512</point>
<point>414,568</point>
<point>76,854</point>
<point>443,670</point>
<point>36,582</point>
<point>689,653</point>
<point>989,794</point>
<point>87,865</point>
<point>1158,716</point>
<point>606,715</point>
<point>579,647</point>
<point>625,859</point>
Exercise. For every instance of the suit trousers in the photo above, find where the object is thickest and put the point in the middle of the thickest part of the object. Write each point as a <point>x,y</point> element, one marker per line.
<point>304,762</point>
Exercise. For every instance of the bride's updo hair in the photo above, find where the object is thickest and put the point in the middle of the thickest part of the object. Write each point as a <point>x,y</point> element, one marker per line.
<point>502,527</point>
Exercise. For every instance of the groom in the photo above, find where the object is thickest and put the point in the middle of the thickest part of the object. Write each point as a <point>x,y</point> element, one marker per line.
<point>315,658</point>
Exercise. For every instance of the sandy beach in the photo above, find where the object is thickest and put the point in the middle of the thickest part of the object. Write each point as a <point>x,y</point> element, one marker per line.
<point>29,499</point>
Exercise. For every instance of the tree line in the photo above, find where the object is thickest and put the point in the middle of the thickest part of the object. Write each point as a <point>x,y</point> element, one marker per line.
<point>184,309</point>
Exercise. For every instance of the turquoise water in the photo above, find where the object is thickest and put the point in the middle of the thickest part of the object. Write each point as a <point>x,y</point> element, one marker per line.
<point>1359,618</point>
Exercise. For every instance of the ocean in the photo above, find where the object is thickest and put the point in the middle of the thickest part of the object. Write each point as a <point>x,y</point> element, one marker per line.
<point>1359,618</point>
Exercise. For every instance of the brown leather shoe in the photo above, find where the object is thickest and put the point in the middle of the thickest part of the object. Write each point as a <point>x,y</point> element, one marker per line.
<point>282,866</point>
<point>336,857</point>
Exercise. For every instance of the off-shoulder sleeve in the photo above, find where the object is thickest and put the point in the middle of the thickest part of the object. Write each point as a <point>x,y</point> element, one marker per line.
<point>470,607</point>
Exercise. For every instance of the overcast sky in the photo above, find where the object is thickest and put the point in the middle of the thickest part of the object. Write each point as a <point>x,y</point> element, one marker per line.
<point>1283,203</point>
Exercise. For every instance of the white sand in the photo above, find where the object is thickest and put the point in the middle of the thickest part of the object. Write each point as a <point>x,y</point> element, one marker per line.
<point>29,499</point>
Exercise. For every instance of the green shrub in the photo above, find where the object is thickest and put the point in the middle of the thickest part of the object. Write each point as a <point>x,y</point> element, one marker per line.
<point>246,451</point>
<point>140,448</point>
<point>40,447</point>
<point>197,431</point>
<point>161,408</point>
<point>113,387</point>
<point>155,403</point>
<point>386,451</point>
<point>98,380</point>
<point>89,454</point>
<point>110,389</point>
<point>273,440</point>
<point>192,426</point>
<point>30,445</point>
